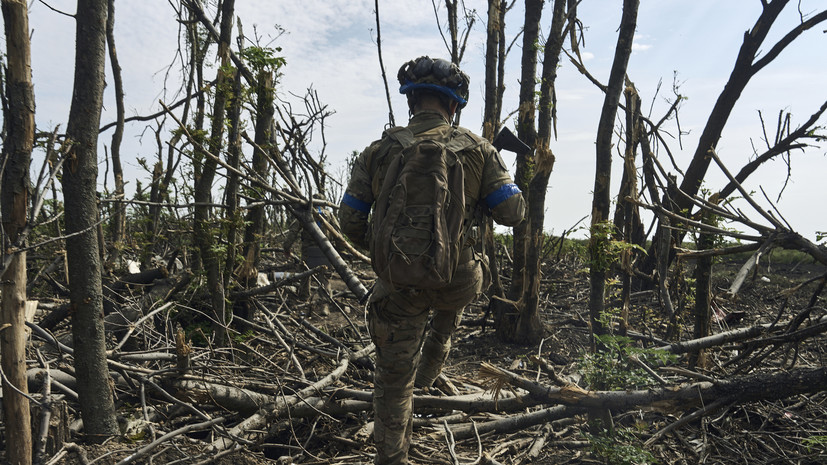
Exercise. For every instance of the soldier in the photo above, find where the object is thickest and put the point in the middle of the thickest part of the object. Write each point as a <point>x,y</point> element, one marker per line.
<point>397,318</point>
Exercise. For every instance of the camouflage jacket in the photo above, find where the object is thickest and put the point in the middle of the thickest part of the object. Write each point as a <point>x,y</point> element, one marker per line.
<point>487,181</point>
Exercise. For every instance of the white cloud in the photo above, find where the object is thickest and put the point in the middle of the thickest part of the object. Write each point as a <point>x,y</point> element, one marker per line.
<point>329,45</point>
<point>638,47</point>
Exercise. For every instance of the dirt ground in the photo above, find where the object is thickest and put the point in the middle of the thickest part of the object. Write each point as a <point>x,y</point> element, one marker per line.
<point>787,431</point>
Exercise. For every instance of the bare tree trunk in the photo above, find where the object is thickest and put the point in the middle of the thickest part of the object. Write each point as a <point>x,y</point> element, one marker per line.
<point>203,226</point>
<point>255,215</point>
<point>603,167</point>
<point>528,134</point>
<point>738,80</point>
<point>529,327</point>
<point>501,60</point>
<point>747,64</point>
<point>503,312</point>
<point>80,200</point>
<point>117,226</point>
<point>451,6</point>
<point>391,120</point>
<point>600,234</point>
<point>14,163</point>
<point>490,127</point>
<point>703,275</point>
<point>233,214</point>
<point>627,217</point>
<point>491,113</point>
<point>198,49</point>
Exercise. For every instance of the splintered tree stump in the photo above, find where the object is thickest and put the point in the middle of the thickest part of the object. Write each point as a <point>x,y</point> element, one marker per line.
<point>58,426</point>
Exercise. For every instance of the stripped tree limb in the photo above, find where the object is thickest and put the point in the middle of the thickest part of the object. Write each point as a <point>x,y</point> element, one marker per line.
<point>517,422</point>
<point>275,409</point>
<point>754,387</point>
<point>144,451</point>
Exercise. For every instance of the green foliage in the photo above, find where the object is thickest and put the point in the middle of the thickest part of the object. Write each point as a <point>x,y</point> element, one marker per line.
<point>821,236</point>
<point>604,249</point>
<point>816,444</point>
<point>614,367</point>
<point>619,447</point>
<point>505,239</point>
<point>263,58</point>
<point>243,337</point>
<point>790,257</point>
<point>717,240</point>
<point>196,331</point>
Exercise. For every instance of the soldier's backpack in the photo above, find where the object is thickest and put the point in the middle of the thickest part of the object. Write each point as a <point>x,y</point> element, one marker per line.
<point>420,210</point>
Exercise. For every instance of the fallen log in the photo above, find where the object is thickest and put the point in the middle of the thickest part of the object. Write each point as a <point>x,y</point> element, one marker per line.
<point>749,388</point>
<point>516,422</point>
<point>726,337</point>
<point>232,398</point>
<point>467,403</point>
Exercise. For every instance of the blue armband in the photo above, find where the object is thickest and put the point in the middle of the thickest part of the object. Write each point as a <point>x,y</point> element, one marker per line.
<point>501,195</point>
<point>356,204</point>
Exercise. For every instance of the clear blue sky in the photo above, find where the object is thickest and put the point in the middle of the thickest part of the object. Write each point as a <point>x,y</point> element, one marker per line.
<point>329,45</point>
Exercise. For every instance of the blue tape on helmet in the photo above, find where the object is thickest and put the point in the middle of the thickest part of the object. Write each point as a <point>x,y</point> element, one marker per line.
<point>409,86</point>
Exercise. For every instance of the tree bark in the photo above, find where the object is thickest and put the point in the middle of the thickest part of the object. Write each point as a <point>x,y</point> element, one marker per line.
<point>118,223</point>
<point>504,312</point>
<point>603,166</point>
<point>529,327</point>
<point>491,113</point>
<point>233,214</point>
<point>738,80</point>
<point>490,127</point>
<point>749,388</point>
<point>743,70</point>
<point>80,203</point>
<point>528,134</point>
<point>203,226</point>
<point>255,216</point>
<point>15,160</point>
<point>703,288</point>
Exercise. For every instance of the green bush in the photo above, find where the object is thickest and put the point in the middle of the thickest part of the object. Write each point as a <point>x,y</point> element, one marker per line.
<point>619,447</point>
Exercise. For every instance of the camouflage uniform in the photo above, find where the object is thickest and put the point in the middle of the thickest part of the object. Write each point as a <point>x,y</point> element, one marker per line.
<point>397,318</point>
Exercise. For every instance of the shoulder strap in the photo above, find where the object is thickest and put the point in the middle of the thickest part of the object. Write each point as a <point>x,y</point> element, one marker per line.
<point>461,140</point>
<point>402,135</point>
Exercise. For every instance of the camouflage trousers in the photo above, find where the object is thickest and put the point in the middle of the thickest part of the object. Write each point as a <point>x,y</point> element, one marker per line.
<point>397,323</point>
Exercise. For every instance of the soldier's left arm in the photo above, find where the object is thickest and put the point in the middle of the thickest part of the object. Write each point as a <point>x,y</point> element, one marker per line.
<point>499,192</point>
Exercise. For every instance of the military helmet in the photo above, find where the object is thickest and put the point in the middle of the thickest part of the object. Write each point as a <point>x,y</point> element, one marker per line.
<point>434,74</point>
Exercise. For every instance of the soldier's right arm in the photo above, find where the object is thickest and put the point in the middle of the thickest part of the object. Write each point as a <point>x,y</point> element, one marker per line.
<point>357,201</point>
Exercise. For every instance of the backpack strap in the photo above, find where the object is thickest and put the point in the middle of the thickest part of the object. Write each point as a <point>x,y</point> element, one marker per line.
<point>402,135</point>
<point>461,140</point>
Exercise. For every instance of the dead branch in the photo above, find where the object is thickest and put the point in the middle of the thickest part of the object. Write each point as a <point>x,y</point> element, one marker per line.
<point>748,266</point>
<point>144,451</point>
<point>518,422</point>
<point>275,409</point>
<point>296,277</point>
<point>760,386</point>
